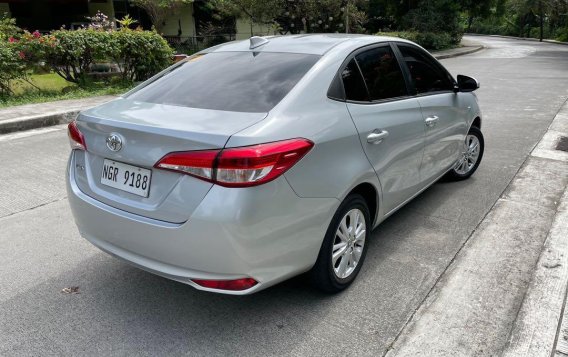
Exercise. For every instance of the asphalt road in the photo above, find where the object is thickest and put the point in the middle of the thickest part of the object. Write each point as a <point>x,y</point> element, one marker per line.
<point>121,310</point>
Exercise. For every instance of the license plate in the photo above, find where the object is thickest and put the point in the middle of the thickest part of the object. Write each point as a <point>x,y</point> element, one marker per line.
<point>126,177</point>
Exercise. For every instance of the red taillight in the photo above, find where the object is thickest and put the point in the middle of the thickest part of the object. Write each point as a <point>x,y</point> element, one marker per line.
<point>234,285</point>
<point>239,167</point>
<point>76,138</point>
<point>194,163</point>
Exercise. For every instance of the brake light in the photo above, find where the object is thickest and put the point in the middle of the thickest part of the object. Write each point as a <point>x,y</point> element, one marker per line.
<point>194,163</point>
<point>235,285</point>
<point>76,138</point>
<point>239,167</point>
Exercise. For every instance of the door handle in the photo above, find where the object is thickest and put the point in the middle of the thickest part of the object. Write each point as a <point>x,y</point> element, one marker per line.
<point>431,121</point>
<point>377,136</point>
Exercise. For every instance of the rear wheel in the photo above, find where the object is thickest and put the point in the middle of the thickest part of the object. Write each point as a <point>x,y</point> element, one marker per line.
<point>344,247</point>
<point>470,157</point>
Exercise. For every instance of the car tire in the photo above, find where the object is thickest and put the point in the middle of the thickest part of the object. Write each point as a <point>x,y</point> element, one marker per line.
<point>327,275</point>
<point>463,170</point>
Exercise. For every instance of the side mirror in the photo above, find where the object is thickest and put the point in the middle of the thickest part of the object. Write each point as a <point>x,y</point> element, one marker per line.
<point>467,84</point>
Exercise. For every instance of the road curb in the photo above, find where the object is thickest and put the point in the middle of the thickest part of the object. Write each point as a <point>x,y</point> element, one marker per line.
<point>37,121</point>
<point>458,54</point>
<point>521,38</point>
<point>39,115</point>
<point>538,325</point>
<point>505,289</point>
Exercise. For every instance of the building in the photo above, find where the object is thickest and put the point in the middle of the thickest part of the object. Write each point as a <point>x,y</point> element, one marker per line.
<point>47,15</point>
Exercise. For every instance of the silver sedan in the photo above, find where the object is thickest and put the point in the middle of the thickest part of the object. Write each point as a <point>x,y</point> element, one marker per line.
<point>255,161</point>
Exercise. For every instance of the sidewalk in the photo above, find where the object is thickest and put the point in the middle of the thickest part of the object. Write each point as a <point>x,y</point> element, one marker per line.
<point>505,292</point>
<point>32,116</point>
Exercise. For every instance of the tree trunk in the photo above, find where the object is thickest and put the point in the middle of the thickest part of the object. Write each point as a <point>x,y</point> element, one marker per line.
<point>347,17</point>
<point>540,10</point>
<point>469,23</point>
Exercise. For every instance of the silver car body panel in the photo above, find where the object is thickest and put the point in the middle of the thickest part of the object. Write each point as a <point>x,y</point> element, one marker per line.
<point>270,242</point>
<point>396,159</point>
<point>189,228</point>
<point>445,137</point>
<point>149,136</point>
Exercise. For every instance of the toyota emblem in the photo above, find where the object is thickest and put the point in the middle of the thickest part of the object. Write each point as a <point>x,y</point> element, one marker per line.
<point>114,142</point>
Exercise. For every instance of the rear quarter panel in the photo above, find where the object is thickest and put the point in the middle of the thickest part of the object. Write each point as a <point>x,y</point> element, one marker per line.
<point>337,162</point>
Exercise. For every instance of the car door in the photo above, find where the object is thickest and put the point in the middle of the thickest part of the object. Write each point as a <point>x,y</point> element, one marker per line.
<point>444,111</point>
<point>388,120</point>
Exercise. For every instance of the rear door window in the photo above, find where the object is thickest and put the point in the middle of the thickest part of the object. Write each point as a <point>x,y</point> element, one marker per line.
<point>382,73</point>
<point>230,81</point>
<point>427,75</point>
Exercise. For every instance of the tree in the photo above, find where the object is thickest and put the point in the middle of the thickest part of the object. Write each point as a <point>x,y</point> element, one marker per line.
<point>435,16</point>
<point>258,12</point>
<point>294,16</point>
<point>480,9</point>
<point>322,16</point>
<point>159,10</point>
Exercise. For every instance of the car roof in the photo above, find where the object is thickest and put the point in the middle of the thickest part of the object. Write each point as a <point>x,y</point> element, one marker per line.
<point>316,44</point>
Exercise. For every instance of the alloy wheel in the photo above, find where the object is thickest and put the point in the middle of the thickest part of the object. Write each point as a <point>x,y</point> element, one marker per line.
<point>348,244</point>
<point>469,156</point>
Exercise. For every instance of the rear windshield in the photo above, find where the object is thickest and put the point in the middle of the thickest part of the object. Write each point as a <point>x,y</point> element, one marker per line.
<point>231,81</point>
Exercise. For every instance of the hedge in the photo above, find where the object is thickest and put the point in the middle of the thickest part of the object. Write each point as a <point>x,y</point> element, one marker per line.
<point>71,54</point>
<point>12,67</point>
<point>429,40</point>
<point>140,54</point>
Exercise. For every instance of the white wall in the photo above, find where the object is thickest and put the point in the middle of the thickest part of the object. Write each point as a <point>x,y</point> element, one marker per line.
<point>243,29</point>
<point>185,17</point>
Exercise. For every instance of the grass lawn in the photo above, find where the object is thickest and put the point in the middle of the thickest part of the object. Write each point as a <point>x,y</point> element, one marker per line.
<point>49,87</point>
<point>50,82</point>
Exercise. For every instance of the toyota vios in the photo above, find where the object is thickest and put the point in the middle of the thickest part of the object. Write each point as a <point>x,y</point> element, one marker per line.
<point>254,161</point>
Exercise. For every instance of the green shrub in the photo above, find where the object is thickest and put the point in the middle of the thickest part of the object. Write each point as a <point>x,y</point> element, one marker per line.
<point>562,34</point>
<point>140,54</point>
<point>31,47</point>
<point>71,53</point>
<point>12,68</point>
<point>428,40</point>
<point>8,28</point>
<point>432,18</point>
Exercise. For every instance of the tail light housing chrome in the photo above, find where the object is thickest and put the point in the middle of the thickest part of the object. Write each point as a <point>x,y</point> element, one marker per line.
<point>76,138</point>
<point>239,167</point>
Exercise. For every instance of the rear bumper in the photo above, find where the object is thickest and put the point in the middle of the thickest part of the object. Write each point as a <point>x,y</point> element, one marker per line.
<point>265,232</point>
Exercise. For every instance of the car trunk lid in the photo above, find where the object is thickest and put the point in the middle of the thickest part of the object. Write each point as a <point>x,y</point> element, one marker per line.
<point>147,133</point>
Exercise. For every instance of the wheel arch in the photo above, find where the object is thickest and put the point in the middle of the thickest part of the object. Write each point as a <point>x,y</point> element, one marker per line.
<point>476,122</point>
<point>371,196</point>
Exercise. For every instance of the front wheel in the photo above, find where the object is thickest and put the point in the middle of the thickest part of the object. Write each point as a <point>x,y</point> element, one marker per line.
<point>470,157</point>
<point>344,247</point>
